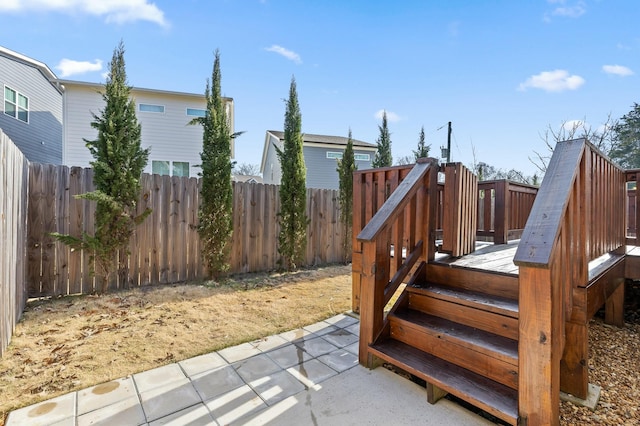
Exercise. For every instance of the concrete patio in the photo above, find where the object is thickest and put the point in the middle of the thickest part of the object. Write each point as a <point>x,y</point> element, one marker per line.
<point>305,376</point>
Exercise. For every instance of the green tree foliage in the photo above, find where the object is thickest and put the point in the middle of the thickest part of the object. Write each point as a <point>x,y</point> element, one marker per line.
<point>383,156</point>
<point>215,213</point>
<point>423,150</point>
<point>292,241</point>
<point>345,170</point>
<point>625,149</point>
<point>118,163</point>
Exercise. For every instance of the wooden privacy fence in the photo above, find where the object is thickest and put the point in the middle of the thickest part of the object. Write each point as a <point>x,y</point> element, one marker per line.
<point>13,222</point>
<point>165,247</point>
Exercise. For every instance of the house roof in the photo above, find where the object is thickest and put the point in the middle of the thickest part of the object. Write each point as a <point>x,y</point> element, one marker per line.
<point>309,138</point>
<point>138,89</point>
<point>42,67</point>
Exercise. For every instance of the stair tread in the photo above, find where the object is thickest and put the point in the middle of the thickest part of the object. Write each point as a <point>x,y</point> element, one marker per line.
<point>498,304</point>
<point>480,338</point>
<point>493,397</point>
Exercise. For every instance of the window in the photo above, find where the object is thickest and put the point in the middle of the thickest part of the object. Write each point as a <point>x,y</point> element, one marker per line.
<point>160,167</point>
<point>195,112</point>
<point>16,104</point>
<point>358,157</point>
<point>180,168</point>
<point>169,168</point>
<point>151,108</point>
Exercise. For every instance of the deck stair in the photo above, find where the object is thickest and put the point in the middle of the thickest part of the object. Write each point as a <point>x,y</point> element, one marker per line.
<point>459,336</point>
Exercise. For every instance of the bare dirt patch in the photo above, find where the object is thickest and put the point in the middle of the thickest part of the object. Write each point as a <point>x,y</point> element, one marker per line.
<point>71,343</point>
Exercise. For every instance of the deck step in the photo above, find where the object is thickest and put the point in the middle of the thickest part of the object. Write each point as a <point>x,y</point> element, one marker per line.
<point>488,395</point>
<point>493,283</point>
<point>490,313</point>
<point>484,353</point>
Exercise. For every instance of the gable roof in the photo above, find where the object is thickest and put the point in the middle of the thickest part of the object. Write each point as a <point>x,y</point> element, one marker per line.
<point>40,66</point>
<point>309,138</point>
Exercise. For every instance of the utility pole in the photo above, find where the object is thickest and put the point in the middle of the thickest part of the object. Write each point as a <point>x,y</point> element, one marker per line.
<point>449,144</point>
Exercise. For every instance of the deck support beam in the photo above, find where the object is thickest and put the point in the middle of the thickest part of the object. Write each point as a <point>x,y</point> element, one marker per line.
<point>614,307</point>
<point>574,367</point>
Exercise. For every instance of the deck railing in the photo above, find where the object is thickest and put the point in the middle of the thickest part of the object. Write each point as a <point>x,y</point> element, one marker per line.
<point>577,216</point>
<point>503,209</point>
<point>633,208</point>
<point>387,257</point>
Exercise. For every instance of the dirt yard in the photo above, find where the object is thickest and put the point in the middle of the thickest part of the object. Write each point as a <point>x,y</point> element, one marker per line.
<point>71,343</point>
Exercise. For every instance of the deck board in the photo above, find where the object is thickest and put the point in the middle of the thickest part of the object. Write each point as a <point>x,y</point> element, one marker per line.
<point>487,257</point>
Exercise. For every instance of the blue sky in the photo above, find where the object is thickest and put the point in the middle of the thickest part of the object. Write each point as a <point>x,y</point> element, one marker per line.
<point>500,71</point>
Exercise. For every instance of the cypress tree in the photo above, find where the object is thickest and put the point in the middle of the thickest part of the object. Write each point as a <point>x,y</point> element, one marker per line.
<point>216,207</point>
<point>345,170</point>
<point>118,163</point>
<point>292,240</point>
<point>383,156</point>
<point>423,150</point>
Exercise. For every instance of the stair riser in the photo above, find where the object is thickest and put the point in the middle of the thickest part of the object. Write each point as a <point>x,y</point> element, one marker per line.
<point>483,320</point>
<point>494,366</point>
<point>485,282</point>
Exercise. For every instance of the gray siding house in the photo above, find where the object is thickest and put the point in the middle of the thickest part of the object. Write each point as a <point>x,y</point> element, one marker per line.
<point>164,118</point>
<point>31,111</point>
<point>320,153</point>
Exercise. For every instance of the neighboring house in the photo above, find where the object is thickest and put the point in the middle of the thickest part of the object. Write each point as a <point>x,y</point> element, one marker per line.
<point>246,179</point>
<point>320,156</point>
<point>164,118</point>
<point>31,111</point>
<point>49,119</point>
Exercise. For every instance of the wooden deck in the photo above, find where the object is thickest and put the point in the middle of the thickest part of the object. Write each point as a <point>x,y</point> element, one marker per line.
<point>461,316</point>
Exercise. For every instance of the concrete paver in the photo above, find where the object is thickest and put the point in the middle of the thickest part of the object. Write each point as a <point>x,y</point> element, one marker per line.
<point>46,412</point>
<point>213,383</point>
<point>164,400</point>
<point>128,411</point>
<point>202,363</point>
<point>105,394</point>
<point>305,376</point>
<point>160,376</point>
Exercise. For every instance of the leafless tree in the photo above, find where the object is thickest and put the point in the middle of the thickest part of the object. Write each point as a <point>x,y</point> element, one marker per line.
<point>602,137</point>
<point>246,169</point>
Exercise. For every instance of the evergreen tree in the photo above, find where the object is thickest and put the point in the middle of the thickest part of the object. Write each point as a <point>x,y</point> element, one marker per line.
<point>423,150</point>
<point>625,149</point>
<point>383,156</point>
<point>345,170</point>
<point>215,213</point>
<point>292,240</point>
<point>118,163</point>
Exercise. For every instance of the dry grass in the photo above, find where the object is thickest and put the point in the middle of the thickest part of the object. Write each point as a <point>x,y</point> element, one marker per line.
<point>71,343</point>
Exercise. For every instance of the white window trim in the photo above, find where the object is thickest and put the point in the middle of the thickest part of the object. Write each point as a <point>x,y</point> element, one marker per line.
<point>16,105</point>
<point>363,157</point>
<point>334,155</point>
<point>152,105</point>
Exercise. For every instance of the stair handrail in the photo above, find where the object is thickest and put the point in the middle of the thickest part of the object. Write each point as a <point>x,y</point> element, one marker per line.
<point>396,203</point>
<point>574,219</point>
<point>377,285</point>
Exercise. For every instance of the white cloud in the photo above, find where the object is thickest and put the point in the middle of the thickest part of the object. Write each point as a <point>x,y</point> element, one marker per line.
<point>553,81</point>
<point>574,125</point>
<point>289,54</point>
<point>566,10</point>
<point>620,70</point>
<point>392,117</point>
<point>69,67</point>
<point>117,11</point>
